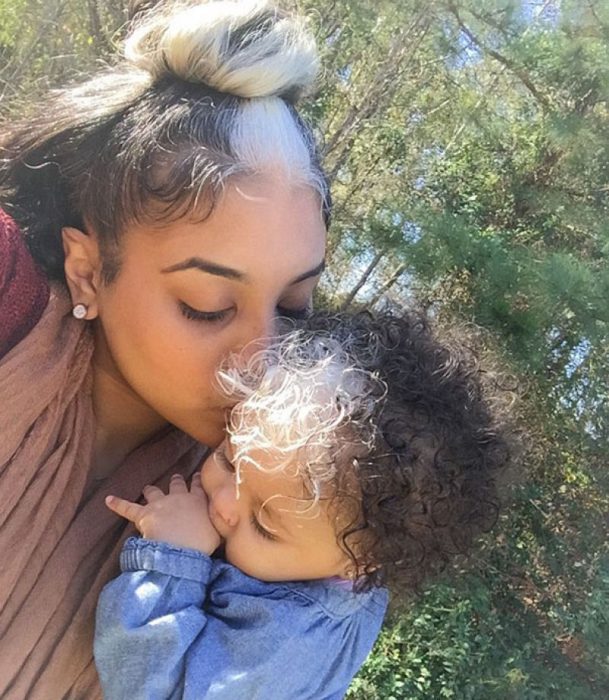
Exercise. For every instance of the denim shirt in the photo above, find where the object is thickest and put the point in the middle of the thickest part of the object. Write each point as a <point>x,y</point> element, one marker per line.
<point>179,624</point>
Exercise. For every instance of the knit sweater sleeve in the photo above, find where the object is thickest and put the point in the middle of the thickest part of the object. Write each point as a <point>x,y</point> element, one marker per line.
<point>24,289</point>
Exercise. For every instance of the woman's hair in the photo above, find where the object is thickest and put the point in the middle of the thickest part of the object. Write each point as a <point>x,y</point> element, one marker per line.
<point>205,92</point>
<point>399,430</point>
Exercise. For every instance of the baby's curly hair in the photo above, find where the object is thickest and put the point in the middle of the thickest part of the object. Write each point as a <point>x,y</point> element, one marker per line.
<point>393,425</point>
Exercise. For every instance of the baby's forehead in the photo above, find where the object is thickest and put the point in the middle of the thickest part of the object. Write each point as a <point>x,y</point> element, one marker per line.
<point>269,473</point>
<point>304,473</point>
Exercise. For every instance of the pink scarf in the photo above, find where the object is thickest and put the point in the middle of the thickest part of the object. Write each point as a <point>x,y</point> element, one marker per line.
<point>57,548</point>
<point>24,290</point>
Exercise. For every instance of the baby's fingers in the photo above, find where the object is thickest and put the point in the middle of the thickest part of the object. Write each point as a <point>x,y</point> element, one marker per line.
<point>195,484</point>
<point>126,509</point>
<point>177,484</point>
<point>152,493</point>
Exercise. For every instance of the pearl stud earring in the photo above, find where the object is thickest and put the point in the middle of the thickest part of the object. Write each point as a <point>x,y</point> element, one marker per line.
<point>79,311</point>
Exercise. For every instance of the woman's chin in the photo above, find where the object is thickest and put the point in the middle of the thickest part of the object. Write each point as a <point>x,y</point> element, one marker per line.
<point>209,428</point>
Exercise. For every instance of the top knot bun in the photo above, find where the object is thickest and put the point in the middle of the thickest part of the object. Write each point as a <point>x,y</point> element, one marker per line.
<point>246,48</point>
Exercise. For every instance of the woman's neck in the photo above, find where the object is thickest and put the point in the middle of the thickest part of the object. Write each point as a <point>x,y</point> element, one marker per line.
<point>123,420</point>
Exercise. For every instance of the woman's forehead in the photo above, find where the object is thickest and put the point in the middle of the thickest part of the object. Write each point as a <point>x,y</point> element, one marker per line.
<point>250,226</point>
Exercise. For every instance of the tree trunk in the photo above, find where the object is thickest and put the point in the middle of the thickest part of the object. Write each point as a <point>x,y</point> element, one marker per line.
<point>387,286</point>
<point>362,280</point>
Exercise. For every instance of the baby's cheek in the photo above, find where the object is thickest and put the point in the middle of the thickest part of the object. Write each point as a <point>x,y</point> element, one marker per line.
<point>242,555</point>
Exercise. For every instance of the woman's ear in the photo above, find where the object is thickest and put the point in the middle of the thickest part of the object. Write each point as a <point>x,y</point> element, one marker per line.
<point>82,268</point>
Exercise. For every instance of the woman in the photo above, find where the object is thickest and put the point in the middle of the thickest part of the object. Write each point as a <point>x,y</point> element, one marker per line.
<point>174,206</point>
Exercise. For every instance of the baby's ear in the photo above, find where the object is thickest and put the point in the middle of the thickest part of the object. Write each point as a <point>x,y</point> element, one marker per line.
<point>350,572</point>
<point>351,569</point>
<point>82,268</point>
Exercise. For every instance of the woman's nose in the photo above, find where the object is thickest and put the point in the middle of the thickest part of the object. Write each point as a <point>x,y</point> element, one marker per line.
<point>257,336</point>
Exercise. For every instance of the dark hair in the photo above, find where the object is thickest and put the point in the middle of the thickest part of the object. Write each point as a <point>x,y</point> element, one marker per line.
<point>140,143</point>
<point>428,480</point>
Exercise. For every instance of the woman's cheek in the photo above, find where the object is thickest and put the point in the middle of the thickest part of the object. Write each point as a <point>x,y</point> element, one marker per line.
<point>185,345</point>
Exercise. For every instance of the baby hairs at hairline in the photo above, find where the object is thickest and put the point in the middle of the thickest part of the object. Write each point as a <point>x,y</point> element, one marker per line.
<point>205,92</point>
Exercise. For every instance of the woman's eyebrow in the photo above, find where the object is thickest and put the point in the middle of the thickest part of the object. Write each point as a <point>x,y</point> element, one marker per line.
<point>206,266</point>
<point>211,268</point>
<point>311,273</point>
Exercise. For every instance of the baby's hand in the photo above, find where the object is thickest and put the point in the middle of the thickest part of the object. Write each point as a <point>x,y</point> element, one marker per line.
<point>179,517</point>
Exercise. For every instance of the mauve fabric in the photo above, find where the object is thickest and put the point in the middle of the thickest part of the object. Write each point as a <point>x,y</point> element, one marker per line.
<point>59,544</point>
<point>24,291</point>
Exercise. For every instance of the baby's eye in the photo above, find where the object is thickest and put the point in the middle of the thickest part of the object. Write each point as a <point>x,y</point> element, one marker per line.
<point>224,461</point>
<point>197,315</point>
<point>263,532</point>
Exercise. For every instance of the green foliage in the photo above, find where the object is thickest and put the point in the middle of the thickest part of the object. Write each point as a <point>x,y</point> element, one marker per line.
<point>471,641</point>
<point>531,624</point>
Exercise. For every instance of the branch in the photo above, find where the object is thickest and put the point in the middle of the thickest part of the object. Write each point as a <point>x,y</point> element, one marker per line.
<point>518,71</point>
<point>464,122</point>
<point>95,25</point>
<point>362,281</point>
<point>388,284</point>
<point>379,93</point>
<point>53,15</point>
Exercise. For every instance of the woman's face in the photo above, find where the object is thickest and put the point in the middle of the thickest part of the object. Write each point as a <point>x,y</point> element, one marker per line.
<point>191,293</point>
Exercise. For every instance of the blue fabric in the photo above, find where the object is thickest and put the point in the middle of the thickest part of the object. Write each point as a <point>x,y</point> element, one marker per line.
<point>179,624</point>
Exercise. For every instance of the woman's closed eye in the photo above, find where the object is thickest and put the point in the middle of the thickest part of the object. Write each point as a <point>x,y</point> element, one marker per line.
<point>192,314</point>
<point>296,313</point>
<point>198,315</point>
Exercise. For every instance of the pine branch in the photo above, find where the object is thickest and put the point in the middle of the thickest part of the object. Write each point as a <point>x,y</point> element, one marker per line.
<point>511,65</point>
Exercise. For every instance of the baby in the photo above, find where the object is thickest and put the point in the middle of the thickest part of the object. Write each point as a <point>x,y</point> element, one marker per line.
<point>360,456</point>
